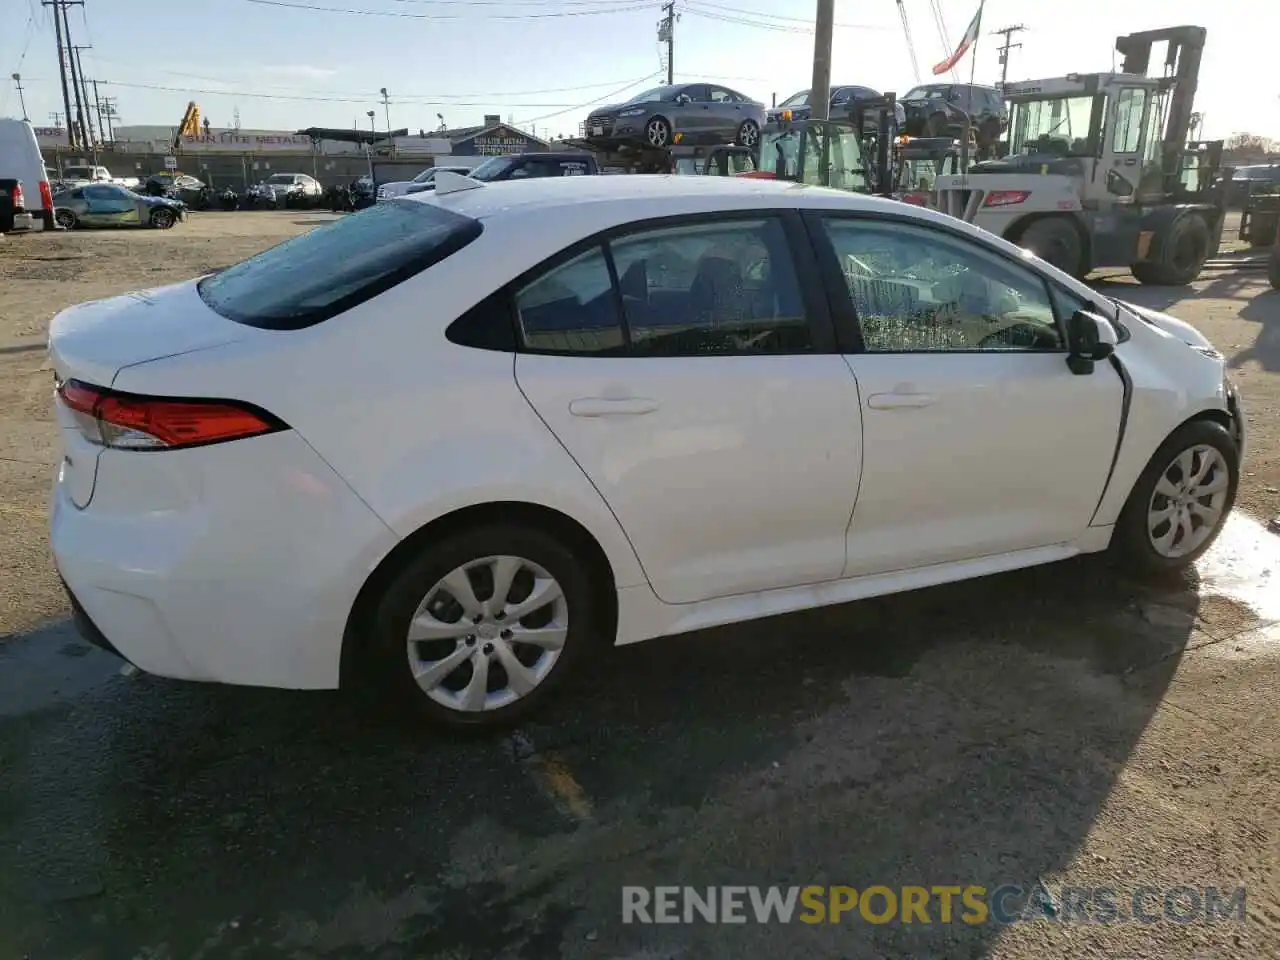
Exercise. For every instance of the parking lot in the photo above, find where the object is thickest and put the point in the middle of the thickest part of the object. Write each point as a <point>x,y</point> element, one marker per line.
<point>1059,725</point>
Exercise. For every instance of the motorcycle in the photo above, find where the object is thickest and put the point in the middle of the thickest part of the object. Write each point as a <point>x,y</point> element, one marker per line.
<point>229,200</point>
<point>260,197</point>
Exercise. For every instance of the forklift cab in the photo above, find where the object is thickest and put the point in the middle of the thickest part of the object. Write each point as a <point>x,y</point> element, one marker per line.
<point>826,153</point>
<point>725,161</point>
<point>919,163</point>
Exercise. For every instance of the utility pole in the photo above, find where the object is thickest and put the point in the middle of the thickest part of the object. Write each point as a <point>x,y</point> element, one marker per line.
<point>111,114</point>
<point>62,68</point>
<point>1004,48</point>
<point>667,34</point>
<point>17,82</point>
<point>64,6</point>
<point>386,106</point>
<point>84,89</point>
<point>820,89</point>
<point>97,108</point>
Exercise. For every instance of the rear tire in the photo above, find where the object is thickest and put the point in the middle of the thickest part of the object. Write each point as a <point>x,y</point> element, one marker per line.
<point>1137,535</point>
<point>1182,255</point>
<point>448,692</point>
<point>748,134</point>
<point>1055,241</point>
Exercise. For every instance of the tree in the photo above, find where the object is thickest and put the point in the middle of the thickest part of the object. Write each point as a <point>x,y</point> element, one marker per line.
<point>1249,145</point>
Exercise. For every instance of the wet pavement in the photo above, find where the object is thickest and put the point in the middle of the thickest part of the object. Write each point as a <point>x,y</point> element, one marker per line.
<point>986,732</point>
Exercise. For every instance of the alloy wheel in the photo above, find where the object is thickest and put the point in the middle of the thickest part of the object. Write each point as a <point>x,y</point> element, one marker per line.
<point>657,132</point>
<point>1189,501</point>
<point>65,219</point>
<point>487,634</point>
<point>748,134</point>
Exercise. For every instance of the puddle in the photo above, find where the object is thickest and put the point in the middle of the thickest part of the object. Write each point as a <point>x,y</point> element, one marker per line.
<point>1243,570</point>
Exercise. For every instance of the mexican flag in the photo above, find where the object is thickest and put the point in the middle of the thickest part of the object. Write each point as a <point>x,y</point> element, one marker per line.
<point>968,40</point>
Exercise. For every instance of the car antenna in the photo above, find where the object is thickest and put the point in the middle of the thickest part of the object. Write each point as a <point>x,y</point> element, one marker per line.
<point>450,182</point>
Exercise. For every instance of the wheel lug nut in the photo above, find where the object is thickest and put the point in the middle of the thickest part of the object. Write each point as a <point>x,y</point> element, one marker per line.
<point>500,615</point>
<point>487,649</point>
<point>506,634</point>
<point>477,618</point>
<point>471,641</point>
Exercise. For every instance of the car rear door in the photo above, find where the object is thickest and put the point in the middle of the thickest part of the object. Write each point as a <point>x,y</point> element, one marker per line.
<point>689,369</point>
<point>978,439</point>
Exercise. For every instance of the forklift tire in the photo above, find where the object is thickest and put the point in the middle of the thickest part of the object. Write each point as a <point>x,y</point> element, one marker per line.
<point>1182,255</point>
<point>1057,242</point>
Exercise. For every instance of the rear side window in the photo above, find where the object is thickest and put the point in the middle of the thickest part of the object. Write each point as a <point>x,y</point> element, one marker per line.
<point>333,268</point>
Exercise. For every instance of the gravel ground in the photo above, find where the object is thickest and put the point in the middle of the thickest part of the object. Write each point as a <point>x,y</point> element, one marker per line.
<point>1055,725</point>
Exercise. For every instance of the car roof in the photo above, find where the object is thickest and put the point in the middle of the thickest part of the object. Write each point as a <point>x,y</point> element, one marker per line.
<point>637,196</point>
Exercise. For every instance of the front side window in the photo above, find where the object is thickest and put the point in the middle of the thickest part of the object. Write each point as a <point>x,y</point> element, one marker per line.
<point>333,268</point>
<point>493,168</point>
<point>833,157</point>
<point>1127,135</point>
<point>711,288</point>
<point>800,99</point>
<point>1059,125</point>
<point>926,93</point>
<point>920,290</point>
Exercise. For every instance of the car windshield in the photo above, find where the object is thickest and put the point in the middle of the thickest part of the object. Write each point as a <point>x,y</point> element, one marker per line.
<point>924,93</point>
<point>493,168</point>
<point>333,268</point>
<point>657,93</point>
<point>800,99</point>
<point>426,176</point>
<point>1059,125</point>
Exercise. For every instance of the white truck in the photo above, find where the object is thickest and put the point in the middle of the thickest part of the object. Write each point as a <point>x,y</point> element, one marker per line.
<point>1099,172</point>
<point>80,174</point>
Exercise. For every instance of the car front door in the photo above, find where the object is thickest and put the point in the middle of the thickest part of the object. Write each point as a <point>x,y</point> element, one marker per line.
<point>690,370</point>
<point>106,205</point>
<point>695,118</point>
<point>978,438</point>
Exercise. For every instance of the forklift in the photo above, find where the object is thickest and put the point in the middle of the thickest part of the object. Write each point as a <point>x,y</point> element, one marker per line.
<point>837,153</point>
<point>920,161</point>
<point>1099,172</point>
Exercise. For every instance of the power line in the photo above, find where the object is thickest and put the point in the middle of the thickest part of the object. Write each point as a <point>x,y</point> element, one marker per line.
<point>591,103</point>
<point>702,10</point>
<point>432,16</point>
<point>761,14</point>
<point>360,96</point>
<point>365,98</point>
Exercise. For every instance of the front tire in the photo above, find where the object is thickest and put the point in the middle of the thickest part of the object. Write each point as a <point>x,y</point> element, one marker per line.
<point>657,132</point>
<point>163,218</point>
<point>65,219</point>
<point>1182,255</point>
<point>481,627</point>
<point>1057,242</point>
<point>748,134</point>
<point>1181,501</point>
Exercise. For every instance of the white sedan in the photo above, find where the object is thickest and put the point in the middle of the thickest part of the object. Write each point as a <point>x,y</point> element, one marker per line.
<point>451,443</point>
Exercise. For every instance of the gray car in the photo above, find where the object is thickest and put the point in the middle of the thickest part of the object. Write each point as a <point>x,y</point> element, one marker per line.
<point>687,113</point>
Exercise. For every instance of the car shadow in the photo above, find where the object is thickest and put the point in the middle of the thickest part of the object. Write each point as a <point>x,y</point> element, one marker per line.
<point>965,734</point>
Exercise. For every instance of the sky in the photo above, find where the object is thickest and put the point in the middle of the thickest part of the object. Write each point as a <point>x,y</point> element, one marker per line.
<point>289,64</point>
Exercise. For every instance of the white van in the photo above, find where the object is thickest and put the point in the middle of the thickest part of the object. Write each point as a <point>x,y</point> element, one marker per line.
<point>20,157</point>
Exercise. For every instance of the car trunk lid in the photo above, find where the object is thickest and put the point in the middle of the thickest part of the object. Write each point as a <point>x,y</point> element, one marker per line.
<point>94,341</point>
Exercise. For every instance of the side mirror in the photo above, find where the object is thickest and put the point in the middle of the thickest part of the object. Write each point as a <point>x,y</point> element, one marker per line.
<point>1089,338</point>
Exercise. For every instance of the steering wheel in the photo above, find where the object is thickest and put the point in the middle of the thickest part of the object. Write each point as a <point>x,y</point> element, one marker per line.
<point>1019,335</point>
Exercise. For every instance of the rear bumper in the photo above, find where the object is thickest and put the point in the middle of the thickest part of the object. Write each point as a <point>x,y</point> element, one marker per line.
<point>236,563</point>
<point>22,222</point>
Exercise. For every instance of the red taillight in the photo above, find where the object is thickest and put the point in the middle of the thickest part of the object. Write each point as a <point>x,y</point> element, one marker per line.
<point>15,195</point>
<point>131,422</point>
<point>46,196</point>
<point>1005,198</point>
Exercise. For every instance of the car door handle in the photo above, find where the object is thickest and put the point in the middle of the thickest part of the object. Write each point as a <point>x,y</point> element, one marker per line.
<point>900,401</point>
<point>606,407</point>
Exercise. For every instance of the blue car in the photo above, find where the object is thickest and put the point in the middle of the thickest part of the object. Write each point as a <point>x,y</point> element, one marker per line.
<point>110,205</point>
